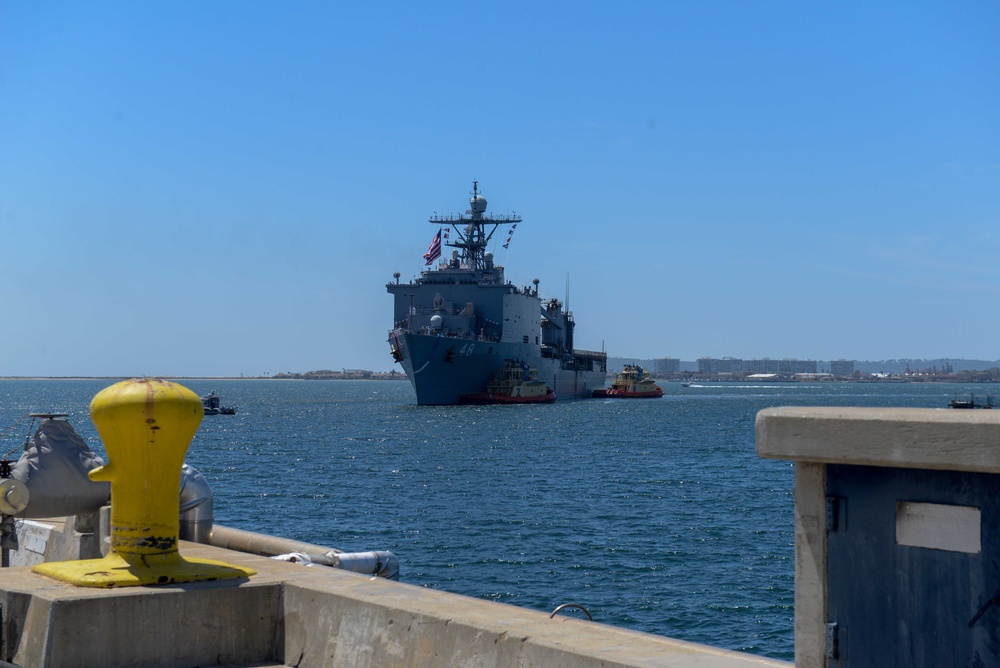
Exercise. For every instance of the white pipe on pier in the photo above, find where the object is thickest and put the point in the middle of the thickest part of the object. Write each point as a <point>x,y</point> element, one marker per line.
<point>381,563</point>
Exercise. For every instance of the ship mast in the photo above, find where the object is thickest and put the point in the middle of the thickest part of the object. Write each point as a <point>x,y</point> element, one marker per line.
<point>474,229</point>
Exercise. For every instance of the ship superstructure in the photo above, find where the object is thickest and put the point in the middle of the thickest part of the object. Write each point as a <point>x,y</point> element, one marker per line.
<point>456,324</point>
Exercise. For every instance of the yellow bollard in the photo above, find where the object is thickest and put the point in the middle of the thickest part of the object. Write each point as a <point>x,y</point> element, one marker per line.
<point>147,426</point>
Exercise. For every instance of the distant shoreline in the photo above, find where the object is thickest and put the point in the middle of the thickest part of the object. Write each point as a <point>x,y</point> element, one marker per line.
<point>299,377</point>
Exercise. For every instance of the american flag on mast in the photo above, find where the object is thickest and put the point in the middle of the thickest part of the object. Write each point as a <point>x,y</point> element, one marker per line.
<point>434,251</point>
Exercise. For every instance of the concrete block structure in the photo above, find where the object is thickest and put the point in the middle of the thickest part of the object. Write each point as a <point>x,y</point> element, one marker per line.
<point>310,617</point>
<point>897,534</point>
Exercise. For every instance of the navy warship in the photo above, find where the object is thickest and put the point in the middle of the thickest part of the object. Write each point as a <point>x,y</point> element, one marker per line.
<point>461,321</point>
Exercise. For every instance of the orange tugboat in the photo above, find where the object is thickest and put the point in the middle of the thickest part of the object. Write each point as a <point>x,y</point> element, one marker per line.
<point>632,382</point>
<point>515,383</point>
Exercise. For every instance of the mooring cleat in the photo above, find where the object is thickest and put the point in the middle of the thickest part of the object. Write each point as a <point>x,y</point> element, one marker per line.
<point>146,426</point>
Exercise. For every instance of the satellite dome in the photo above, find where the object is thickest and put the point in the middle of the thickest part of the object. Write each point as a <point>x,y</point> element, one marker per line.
<point>478,204</point>
<point>488,256</point>
<point>436,322</point>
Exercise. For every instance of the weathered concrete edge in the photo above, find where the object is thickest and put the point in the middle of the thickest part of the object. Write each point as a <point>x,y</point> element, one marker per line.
<point>146,627</point>
<point>460,629</point>
<point>323,608</point>
<point>454,629</point>
<point>926,438</point>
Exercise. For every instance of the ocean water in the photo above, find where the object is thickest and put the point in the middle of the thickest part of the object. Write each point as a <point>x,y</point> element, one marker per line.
<point>656,515</point>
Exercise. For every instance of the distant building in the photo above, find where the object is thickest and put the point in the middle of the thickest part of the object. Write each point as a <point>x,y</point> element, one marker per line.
<point>710,366</point>
<point>790,367</point>
<point>726,365</point>
<point>842,367</point>
<point>666,365</point>
<point>764,366</point>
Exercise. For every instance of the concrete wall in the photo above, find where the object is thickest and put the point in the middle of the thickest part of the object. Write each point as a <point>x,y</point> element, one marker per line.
<point>57,539</point>
<point>311,617</point>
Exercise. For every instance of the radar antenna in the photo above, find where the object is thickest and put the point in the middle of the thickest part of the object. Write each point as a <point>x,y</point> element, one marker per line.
<point>474,229</point>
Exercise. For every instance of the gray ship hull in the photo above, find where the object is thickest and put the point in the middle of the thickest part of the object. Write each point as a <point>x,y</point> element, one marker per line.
<point>442,369</point>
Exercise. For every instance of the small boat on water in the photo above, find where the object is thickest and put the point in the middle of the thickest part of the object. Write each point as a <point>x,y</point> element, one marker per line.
<point>213,405</point>
<point>971,402</point>
<point>515,383</point>
<point>632,382</point>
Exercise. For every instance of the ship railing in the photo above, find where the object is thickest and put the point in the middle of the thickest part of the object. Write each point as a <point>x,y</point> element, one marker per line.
<point>590,354</point>
<point>486,218</point>
<point>454,334</point>
<point>438,311</point>
<point>472,336</point>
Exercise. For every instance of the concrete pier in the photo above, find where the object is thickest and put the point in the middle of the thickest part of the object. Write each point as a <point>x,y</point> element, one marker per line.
<point>311,617</point>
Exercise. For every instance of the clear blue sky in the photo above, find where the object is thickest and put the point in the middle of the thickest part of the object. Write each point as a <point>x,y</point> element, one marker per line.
<point>225,187</point>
